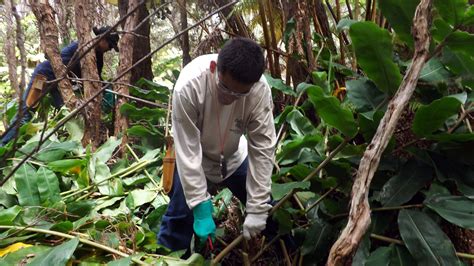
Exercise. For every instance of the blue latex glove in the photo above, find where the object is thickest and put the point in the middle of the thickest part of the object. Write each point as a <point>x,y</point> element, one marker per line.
<point>204,225</point>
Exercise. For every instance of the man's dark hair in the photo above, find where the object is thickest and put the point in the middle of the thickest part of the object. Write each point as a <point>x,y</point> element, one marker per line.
<point>112,37</point>
<point>243,59</point>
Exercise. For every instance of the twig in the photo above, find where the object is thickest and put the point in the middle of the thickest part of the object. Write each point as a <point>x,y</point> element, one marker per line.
<point>399,242</point>
<point>245,258</point>
<point>320,199</point>
<point>146,172</point>
<point>285,253</point>
<point>260,252</point>
<point>461,118</point>
<point>395,208</point>
<point>226,250</point>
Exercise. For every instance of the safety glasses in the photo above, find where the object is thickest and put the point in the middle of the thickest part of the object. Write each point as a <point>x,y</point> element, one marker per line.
<point>224,89</point>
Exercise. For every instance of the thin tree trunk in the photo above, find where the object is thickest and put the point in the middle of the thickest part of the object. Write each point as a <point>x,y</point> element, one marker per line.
<point>359,215</point>
<point>266,36</point>
<point>320,12</point>
<point>303,20</point>
<point>126,57</point>
<point>63,17</point>
<point>20,43</point>
<point>273,39</point>
<point>234,20</point>
<point>89,71</point>
<point>49,38</point>
<point>141,44</point>
<point>185,38</point>
<point>9,47</point>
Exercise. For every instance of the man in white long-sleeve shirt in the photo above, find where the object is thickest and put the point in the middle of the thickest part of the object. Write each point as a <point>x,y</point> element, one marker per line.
<point>224,133</point>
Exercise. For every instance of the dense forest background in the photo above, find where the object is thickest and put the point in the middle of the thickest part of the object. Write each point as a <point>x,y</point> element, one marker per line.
<point>373,107</point>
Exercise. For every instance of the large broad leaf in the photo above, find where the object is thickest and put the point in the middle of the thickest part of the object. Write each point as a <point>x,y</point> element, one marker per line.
<point>27,186</point>
<point>279,85</point>
<point>280,190</point>
<point>23,255</point>
<point>151,114</point>
<point>318,239</point>
<point>330,110</point>
<point>48,185</point>
<point>300,123</point>
<point>67,165</point>
<point>138,197</point>
<point>469,16</point>
<point>399,14</point>
<point>150,91</point>
<point>50,151</point>
<point>59,255</point>
<point>431,117</point>
<point>434,72</point>
<point>451,11</point>
<point>461,41</point>
<point>461,64</point>
<point>153,220</point>
<point>75,128</point>
<point>112,187</point>
<point>426,242</point>
<point>456,209</point>
<point>6,199</point>
<point>363,94</point>
<point>291,151</point>
<point>402,187</point>
<point>7,216</point>
<point>373,48</point>
<point>401,257</point>
<point>105,151</point>
<point>380,256</point>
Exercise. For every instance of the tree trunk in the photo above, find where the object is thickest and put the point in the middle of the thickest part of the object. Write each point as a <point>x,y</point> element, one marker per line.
<point>185,38</point>
<point>234,21</point>
<point>141,43</point>
<point>126,45</point>
<point>9,47</point>
<point>20,43</point>
<point>63,13</point>
<point>89,71</point>
<point>49,39</point>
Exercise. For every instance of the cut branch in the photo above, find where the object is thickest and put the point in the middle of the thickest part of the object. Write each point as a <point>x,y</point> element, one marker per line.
<point>359,215</point>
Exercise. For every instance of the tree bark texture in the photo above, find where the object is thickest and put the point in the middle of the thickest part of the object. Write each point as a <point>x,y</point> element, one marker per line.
<point>20,44</point>
<point>126,56</point>
<point>359,215</point>
<point>185,37</point>
<point>63,14</point>
<point>9,47</point>
<point>320,14</point>
<point>48,30</point>
<point>92,134</point>
<point>266,36</point>
<point>234,21</point>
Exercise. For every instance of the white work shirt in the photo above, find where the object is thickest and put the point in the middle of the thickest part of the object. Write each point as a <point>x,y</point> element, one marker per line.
<point>196,135</point>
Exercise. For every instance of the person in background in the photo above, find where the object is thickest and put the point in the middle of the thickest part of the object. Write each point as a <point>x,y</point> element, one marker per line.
<point>224,133</point>
<point>43,72</point>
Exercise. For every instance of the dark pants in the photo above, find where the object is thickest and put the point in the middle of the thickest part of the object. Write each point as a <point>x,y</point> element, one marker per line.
<point>176,228</point>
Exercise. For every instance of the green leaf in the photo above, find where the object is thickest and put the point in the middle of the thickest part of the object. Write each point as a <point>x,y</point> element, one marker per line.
<point>434,72</point>
<point>459,63</point>
<point>455,209</point>
<point>431,117</point>
<point>105,151</point>
<point>451,10</point>
<point>280,190</point>
<point>80,209</point>
<point>363,94</point>
<point>150,114</point>
<point>138,197</point>
<point>318,239</point>
<point>291,151</point>
<point>399,14</point>
<point>461,41</point>
<point>300,123</point>
<point>121,262</point>
<point>330,110</point>
<point>59,255</point>
<point>426,242</point>
<point>380,256</point>
<point>26,184</point>
<point>150,91</point>
<point>50,151</point>
<point>6,199</point>
<point>469,16</point>
<point>75,128</point>
<point>279,85</point>
<point>401,257</point>
<point>23,255</point>
<point>402,187</point>
<point>7,216</point>
<point>373,48</point>
<point>64,227</point>
<point>285,223</point>
<point>65,165</point>
<point>153,220</point>
<point>48,185</point>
